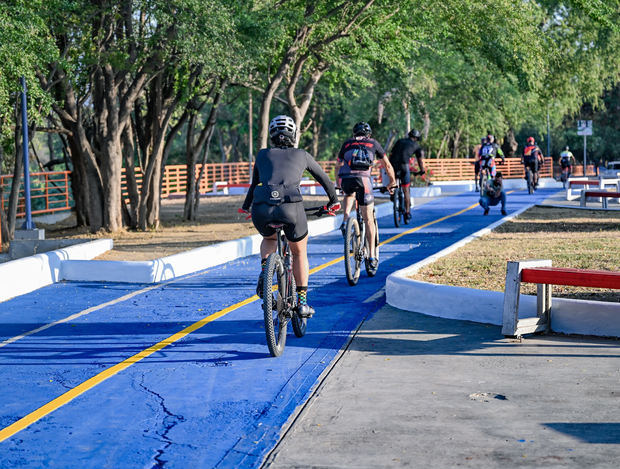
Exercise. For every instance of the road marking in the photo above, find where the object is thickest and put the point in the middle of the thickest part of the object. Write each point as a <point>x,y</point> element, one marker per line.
<point>90,383</point>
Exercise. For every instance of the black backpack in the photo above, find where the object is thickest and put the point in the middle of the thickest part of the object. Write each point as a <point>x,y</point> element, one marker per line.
<point>361,158</point>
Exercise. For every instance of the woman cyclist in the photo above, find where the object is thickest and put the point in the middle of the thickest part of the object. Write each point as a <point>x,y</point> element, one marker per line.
<point>275,197</point>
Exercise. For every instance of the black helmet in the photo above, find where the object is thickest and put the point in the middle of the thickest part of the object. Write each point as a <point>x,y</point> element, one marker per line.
<point>413,133</point>
<point>483,140</point>
<point>362,129</point>
<point>282,129</point>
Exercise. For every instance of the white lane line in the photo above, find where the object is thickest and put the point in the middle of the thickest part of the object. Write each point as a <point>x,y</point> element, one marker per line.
<point>77,315</point>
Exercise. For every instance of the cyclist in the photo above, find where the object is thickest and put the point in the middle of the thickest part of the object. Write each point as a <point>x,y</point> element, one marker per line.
<point>567,160</point>
<point>493,194</point>
<point>533,158</point>
<point>356,158</point>
<point>477,148</point>
<point>275,197</point>
<point>400,157</point>
<point>487,154</point>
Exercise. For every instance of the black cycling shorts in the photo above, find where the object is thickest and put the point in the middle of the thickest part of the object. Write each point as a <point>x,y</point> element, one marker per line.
<point>292,215</point>
<point>403,174</point>
<point>360,186</point>
<point>532,164</point>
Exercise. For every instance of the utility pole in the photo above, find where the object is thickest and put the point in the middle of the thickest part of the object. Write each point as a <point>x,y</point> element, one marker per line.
<point>28,224</point>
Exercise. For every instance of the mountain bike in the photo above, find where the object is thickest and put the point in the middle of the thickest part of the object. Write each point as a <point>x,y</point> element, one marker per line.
<point>280,293</point>
<point>356,247</point>
<point>485,175</point>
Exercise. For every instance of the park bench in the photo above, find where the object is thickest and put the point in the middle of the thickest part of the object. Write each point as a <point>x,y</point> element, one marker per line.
<point>585,184</point>
<point>544,275</point>
<point>602,195</point>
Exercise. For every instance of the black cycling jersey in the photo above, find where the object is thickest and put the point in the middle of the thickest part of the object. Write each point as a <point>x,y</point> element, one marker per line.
<point>402,152</point>
<point>277,175</point>
<point>275,195</point>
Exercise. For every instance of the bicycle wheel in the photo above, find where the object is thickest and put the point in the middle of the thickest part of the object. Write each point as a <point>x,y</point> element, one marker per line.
<point>351,248</point>
<point>369,271</point>
<point>530,180</point>
<point>299,324</point>
<point>273,305</point>
<point>483,178</point>
<point>397,206</point>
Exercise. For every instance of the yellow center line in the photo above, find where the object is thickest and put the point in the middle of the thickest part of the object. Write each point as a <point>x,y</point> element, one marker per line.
<point>90,383</point>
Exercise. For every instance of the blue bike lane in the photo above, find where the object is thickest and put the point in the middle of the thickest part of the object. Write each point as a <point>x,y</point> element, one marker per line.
<point>93,392</point>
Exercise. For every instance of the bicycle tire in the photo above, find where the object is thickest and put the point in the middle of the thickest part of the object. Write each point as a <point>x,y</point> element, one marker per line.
<point>396,203</point>
<point>275,324</point>
<point>530,180</point>
<point>482,181</point>
<point>299,324</point>
<point>351,247</point>
<point>369,271</point>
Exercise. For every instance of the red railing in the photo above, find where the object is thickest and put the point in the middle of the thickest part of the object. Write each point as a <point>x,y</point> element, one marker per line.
<point>49,192</point>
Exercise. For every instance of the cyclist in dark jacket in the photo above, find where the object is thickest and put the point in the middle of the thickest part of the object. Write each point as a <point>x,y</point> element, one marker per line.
<point>275,197</point>
<point>400,157</point>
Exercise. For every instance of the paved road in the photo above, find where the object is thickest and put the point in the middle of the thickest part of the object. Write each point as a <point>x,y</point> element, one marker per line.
<point>178,374</point>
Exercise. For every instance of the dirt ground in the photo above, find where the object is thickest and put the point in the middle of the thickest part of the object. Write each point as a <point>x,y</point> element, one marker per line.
<point>217,221</point>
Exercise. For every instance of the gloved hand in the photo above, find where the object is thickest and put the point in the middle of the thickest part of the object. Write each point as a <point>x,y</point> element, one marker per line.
<point>245,212</point>
<point>332,207</point>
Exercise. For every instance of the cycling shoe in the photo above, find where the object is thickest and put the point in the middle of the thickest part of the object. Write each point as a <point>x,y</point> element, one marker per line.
<point>305,311</point>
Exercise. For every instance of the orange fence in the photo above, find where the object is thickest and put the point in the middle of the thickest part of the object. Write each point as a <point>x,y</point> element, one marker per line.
<point>49,192</point>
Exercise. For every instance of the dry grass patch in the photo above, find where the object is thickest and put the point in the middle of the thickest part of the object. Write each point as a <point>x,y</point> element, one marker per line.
<point>584,239</point>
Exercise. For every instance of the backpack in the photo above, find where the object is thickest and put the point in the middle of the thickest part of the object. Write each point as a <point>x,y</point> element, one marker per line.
<point>486,151</point>
<point>361,159</point>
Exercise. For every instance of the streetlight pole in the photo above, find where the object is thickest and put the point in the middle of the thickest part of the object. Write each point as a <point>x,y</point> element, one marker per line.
<point>28,224</point>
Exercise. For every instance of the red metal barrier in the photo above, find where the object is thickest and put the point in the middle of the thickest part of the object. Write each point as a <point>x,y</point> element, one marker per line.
<point>50,192</point>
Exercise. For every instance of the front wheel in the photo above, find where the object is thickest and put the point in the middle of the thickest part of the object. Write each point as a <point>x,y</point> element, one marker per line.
<point>351,251</point>
<point>273,305</point>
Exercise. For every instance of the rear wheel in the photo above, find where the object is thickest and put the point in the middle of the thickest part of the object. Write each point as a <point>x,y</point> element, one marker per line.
<point>530,180</point>
<point>397,206</point>
<point>483,179</point>
<point>351,248</point>
<point>273,305</point>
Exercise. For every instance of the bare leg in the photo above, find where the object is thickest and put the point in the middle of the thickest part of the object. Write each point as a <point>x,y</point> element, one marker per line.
<point>370,228</point>
<point>349,200</point>
<point>407,199</point>
<point>300,262</point>
<point>268,245</point>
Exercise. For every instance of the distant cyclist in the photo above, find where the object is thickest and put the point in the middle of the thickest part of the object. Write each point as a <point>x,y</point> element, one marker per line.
<point>567,160</point>
<point>533,158</point>
<point>477,148</point>
<point>487,154</point>
<point>402,153</point>
<point>356,158</point>
<point>275,197</point>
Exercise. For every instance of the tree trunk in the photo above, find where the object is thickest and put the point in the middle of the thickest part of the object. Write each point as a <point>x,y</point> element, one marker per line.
<point>510,145</point>
<point>456,143</point>
<point>4,227</point>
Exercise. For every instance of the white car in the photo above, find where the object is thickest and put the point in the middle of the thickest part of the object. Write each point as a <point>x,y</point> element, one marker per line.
<point>611,171</point>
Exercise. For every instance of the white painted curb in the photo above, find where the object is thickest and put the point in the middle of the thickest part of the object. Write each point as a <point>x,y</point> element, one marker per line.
<point>485,306</point>
<point>195,260</point>
<point>30,273</point>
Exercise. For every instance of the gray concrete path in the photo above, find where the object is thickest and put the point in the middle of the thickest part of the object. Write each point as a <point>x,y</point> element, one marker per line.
<point>419,391</point>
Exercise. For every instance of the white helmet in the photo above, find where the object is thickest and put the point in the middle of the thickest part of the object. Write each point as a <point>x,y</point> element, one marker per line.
<point>282,125</point>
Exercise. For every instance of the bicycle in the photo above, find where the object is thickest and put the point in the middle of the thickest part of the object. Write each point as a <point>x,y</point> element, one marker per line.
<point>566,173</point>
<point>529,178</point>
<point>485,175</point>
<point>355,251</point>
<point>398,201</point>
<point>280,292</point>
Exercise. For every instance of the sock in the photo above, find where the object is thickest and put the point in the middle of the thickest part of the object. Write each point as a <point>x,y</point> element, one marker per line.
<point>302,295</point>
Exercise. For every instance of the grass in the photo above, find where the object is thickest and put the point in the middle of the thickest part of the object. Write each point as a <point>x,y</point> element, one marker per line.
<point>584,239</point>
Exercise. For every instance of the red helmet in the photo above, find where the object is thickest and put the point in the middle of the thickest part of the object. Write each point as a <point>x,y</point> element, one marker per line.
<point>530,140</point>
